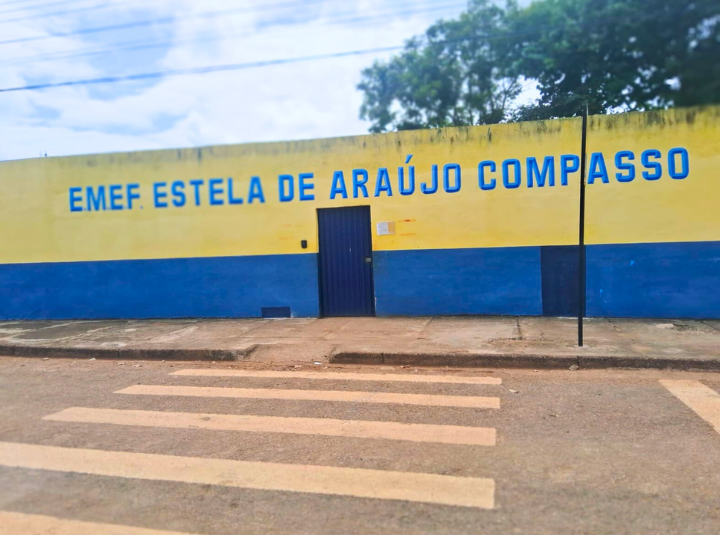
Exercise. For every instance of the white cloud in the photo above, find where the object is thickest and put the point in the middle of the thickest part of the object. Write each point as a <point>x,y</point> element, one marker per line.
<point>292,101</point>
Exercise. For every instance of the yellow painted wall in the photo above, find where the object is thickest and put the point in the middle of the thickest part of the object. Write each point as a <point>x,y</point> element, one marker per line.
<point>664,210</point>
<point>38,226</point>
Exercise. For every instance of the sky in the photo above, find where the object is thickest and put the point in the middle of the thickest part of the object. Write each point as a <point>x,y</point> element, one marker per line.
<point>40,43</point>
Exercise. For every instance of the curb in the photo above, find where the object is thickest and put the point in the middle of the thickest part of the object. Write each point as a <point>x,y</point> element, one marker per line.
<point>455,360</point>
<point>535,361</point>
<point>125,353</point>
<point>650,363</point>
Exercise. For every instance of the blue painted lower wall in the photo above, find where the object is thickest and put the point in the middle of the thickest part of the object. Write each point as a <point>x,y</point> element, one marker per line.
<point>174,288</point>
<point>650,280</point>
<point>660,280</point>
<point>656,280</point>
<point>502,280</point>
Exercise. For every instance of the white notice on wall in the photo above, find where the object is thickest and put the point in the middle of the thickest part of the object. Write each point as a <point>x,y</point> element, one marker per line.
<point>385,227</point>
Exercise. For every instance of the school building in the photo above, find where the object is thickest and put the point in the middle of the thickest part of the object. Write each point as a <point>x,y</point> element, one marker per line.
<point>476,220</point>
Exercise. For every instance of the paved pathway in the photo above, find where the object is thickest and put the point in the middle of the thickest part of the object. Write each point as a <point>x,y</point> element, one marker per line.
<point>457,341</point>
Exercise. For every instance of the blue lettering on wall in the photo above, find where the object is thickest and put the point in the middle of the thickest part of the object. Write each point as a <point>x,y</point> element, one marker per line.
<point>546,175</point>
<point>655,166</point>
<point>569,163</point>
<point>306,186</point>
<point>481,174</point>
<point>221,191</point>
<point>455,187</point>
<point>684,163</point>
<point>178,191</point>
<point>159,195</point>
<point>383,183</point>
<point>410,189</point>
<point>517,178</point>
<point>115,197</point>
<point>433,182</point>
<point>131,191</point>
<point>359,185</point>
<point>286,187</point>
<point>597,169</point>
<point>216,191</point>
<point>338,186</point>
<point>625,166</point>
<point>231,197</point>
<point>75,198</point>
<point>256,191</point>
<point>196,184</point>
<point>95,201</point>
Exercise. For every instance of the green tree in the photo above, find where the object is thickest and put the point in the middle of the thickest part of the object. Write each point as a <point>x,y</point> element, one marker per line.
<point>451,76</point>
<point>615,55</point>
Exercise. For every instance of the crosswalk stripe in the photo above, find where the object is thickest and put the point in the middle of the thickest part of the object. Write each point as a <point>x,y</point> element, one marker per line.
<point>342,376</point>
<point>23,524</point>
<point>356,482</point>
<point>700,398</point>
<point>475,402</point>
<point>444,434</point>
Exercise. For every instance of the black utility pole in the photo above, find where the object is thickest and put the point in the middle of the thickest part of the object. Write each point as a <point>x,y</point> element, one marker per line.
<point>581,239</point>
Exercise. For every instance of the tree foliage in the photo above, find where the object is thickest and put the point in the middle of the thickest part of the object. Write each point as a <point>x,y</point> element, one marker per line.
<point>451,76</point>
<point>613,55</point>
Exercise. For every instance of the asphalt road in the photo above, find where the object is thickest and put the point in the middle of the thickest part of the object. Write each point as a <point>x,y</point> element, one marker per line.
<point>108,447</point>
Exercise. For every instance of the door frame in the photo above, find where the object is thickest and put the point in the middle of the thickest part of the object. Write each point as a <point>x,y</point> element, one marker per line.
<point>372,260</point>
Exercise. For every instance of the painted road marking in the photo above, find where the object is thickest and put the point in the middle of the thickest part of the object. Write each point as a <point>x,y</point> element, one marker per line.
<point>356,482</point>
<point>444,434</point>
<point>22,524</point>
<point>700,398</point>
<point>343,376</point>
<point>474,402</point>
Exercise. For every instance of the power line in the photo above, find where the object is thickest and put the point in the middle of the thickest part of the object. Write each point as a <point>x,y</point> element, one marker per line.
<point>247,65</point>
<point>144,45</point>
<point>128,25</point>
<point>12,2</point>
<point>226,67</point>
<point>136,46</point>
<point>65,12</point>
<point>50,4</point>
<point>203,70</point>
<point>216,68</point>
<point>150,22</point>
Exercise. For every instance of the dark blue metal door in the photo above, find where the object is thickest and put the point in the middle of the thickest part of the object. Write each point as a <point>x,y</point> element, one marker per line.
<point>345,262</point>
<point>559,268</point>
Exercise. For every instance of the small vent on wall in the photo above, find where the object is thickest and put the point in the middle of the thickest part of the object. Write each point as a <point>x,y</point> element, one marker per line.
<point>275,312</point>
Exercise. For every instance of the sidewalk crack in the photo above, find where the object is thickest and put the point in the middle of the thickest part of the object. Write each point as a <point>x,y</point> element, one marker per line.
<point>519,330</point>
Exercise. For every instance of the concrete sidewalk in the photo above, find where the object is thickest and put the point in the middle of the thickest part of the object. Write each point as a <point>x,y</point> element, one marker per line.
<point>532,342</point>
